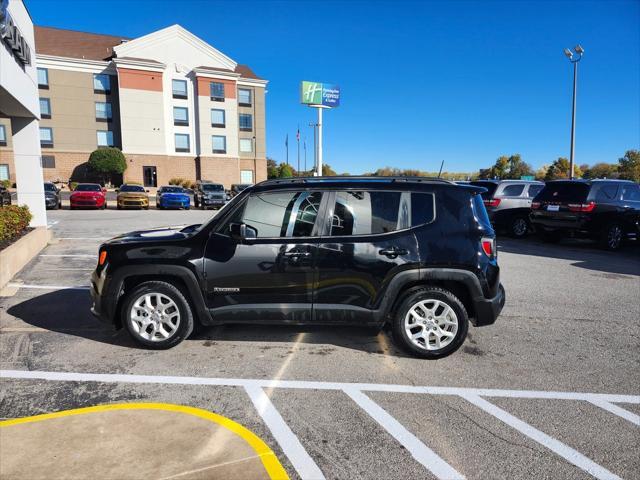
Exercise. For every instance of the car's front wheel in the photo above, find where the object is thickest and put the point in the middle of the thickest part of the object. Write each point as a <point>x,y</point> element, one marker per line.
<point>157,315</point>
<point>430,323</point>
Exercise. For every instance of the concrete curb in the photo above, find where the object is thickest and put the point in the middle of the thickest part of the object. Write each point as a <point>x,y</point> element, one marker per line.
<point>17,255</point>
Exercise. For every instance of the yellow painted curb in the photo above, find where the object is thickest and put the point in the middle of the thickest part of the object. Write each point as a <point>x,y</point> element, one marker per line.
<point>269,459</point>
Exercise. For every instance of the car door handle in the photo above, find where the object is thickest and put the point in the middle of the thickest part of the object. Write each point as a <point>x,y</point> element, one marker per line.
<point>393,252</point>
<point>297,254</point>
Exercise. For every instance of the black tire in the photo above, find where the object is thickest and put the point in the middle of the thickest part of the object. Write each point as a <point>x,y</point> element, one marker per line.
<point>196,204</point>
<point>401,337</point>
<point>519,226</point>
<point>612,236</point>
<point>185,327</point>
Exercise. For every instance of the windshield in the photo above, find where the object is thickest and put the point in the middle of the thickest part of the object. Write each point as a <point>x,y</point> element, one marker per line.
<point>563,192</point>
<point>212,187</point>
<point>490,186</point>
<point>171,190</point>
<point>50,187</point>
<point>132,188</point>
<point>88,187</point>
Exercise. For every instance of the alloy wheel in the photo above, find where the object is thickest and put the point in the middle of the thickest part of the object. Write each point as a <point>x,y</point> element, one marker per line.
<point>154,317</point>
<point>431,324</point>
<point>614,237</point>
<point>519,227</point>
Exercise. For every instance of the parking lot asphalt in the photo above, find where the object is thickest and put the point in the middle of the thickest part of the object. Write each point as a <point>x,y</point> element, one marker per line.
<point>562,364</point>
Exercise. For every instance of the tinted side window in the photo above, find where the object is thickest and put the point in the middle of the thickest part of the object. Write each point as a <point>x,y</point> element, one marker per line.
<point>513,190</point>
<point>534,190</point>
<point>422,208</point>
<point>279,214</point>
<point>606,193</point>
<point>631,193</point>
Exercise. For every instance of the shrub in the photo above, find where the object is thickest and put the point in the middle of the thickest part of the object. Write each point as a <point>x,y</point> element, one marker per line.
<point>106,161</point>
<point>176,181</point>
<point>72,186</point>
<point>14,219</point>
<point>6,183</point>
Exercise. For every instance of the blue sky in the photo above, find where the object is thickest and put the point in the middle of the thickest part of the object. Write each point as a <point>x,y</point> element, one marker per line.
<point>421,82</point>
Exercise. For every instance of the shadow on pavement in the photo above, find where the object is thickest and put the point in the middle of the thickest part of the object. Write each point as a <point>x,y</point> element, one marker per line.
<point>68,312</point>
<point>583,254</point>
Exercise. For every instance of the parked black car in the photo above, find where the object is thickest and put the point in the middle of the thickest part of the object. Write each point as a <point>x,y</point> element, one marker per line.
<point>52,197</point>
<point>5,196</point>
<point>209,195</point>
<point>508,204</point>
<point>236,188</point>
<point>418,255</point>
<point>605,210</point>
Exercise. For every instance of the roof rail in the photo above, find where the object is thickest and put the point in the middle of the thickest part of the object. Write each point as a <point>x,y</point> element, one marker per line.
<point>350,178</point>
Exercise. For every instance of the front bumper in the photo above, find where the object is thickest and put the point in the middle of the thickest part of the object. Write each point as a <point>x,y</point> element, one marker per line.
<point>133,203</point>
<point>168,203</point>
<point>488,309</point>
<point>101,302</point>
<point>51,202</point>
<point>213,202</point>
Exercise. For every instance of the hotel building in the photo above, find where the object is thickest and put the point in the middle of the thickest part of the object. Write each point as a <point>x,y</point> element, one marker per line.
<point>173,104</point>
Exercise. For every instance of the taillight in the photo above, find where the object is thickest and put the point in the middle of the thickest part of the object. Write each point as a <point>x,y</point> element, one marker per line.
<point>535,205</point>
<point>494,202</point>
<point>582,207</point>
<point>102,258</point>
<point>489,246</point>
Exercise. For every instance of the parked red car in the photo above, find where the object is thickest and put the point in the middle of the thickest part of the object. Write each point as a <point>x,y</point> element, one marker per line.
<point>88,195</point>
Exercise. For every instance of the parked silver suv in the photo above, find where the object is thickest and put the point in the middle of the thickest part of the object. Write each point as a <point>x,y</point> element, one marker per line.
<point>508,203</point>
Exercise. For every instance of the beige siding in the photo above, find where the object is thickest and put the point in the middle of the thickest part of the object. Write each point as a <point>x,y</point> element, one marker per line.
<point>142,121</point>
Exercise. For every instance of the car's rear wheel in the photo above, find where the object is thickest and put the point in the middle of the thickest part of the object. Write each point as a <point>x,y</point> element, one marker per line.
<point>157,315</point>
<point>611,237</point>
<point>519,227</point>
<point>430,323</point>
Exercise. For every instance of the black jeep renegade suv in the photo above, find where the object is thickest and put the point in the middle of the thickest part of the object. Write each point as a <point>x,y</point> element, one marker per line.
<point>416,254</point>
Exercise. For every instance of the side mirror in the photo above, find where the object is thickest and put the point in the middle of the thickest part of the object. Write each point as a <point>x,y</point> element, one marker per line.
<point>242,231</point>
<point>104,190</point>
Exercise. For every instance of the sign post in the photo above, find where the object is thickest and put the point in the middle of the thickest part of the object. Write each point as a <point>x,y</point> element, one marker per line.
<point>319,96</point>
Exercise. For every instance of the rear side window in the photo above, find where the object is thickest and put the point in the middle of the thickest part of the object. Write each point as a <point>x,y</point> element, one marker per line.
<point>490,186</point>
<point>480,212</point>
<point>631,193</point>
<point>604,193</point>
<point>374,212</point>
<point>513,190</point>
<point>534,190</point>
<point>564,192</point>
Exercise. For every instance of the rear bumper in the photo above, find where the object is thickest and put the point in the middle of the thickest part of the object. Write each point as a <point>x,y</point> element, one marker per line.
<point>101,303</point>
<point>488,309</point>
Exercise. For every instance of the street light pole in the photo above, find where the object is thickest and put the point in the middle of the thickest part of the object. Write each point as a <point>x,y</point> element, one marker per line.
<point>578,51</point>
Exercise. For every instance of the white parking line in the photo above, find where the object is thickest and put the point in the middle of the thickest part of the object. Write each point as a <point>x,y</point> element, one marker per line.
<point>556,446</point>
<point>82,238</point>
<point>291,446</point>
<point>423,454</point>
<point>69,255</point>
<point>616,410</point>
<point>48,287</point>
<point>304,464</point>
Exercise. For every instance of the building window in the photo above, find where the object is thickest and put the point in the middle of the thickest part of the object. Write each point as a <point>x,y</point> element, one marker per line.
<point>105,138</point>
<point>180,116</point>
<point>219,143</point>
<point>244,97</point>
<point>246,176</point>
<point>45,108</point>
<point>48,161</point>
<point>246,122</point>
<point>4,171</point>
<point>182,142</point>
<point>103,111</point>
<point>217,91</point>
<point>101,83</point>
<point>246,145</point>
<point>46,137</point>
<point>217,118</point>
<point>179,88</point>
<point>43,78</point>
<point>3,136</point>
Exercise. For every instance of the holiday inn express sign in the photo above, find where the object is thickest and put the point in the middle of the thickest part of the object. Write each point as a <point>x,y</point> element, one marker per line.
<point>315,93</point>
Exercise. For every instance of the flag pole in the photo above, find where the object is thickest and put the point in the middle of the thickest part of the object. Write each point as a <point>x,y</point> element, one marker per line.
<point>298,140</point>
<point>286,144</point>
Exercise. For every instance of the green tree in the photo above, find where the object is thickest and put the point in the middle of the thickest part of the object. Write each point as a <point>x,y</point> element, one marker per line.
<point>327,171</point>
<point>272,168</point>
<point>541,173</point>
<point>511,167</point>
<point>285,171</point>
<point>629,166</point>
<point>600,170</point>
<point>560,169</point>
<point>107,161</point>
